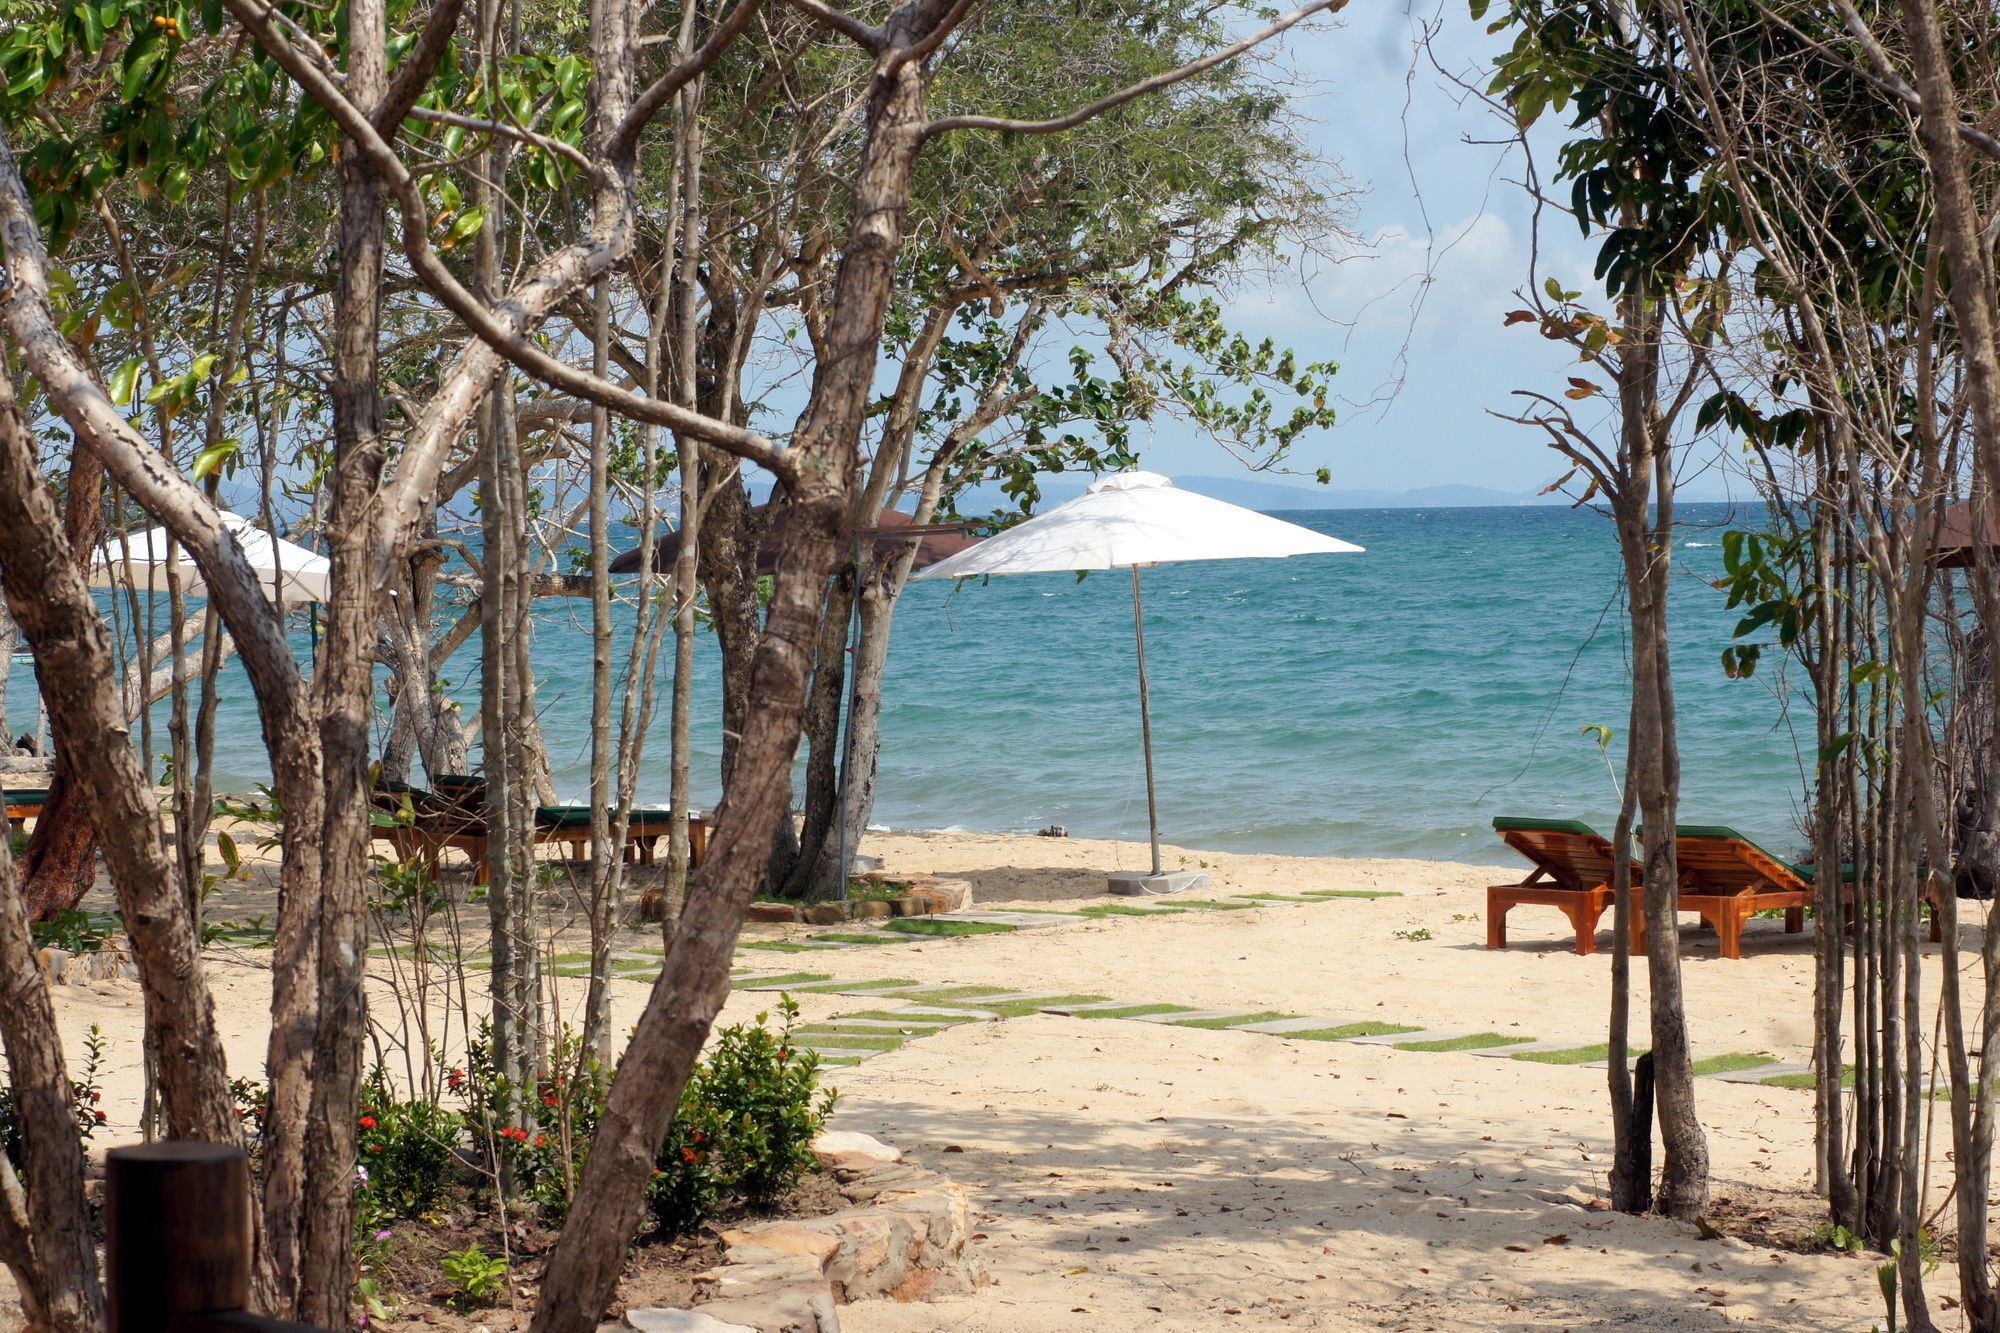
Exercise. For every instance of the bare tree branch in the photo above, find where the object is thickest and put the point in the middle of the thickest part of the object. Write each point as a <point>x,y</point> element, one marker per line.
<point>648,103</point>
<point>867,38</point>
<point>1139,89</point>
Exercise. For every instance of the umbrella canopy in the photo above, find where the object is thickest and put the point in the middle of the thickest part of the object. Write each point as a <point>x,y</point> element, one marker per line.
<point>933,548</point>
<point>1127,521</point>
<point>1134,518</point>
<point>289,573</point>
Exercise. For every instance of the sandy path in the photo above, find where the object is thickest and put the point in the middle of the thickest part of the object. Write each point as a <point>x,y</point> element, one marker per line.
<point>1131,1176</point>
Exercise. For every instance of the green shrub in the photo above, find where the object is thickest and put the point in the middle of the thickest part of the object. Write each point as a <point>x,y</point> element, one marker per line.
<point>542,1137</point>
<point>84,1097</point>
<point>745,1126</point>
<point>407,1153</point>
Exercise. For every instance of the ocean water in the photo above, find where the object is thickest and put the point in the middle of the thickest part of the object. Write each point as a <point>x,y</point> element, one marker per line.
<point>1383,704</point>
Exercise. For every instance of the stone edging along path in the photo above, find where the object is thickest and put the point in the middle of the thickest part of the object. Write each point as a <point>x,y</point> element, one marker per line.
<point>904,1239</point>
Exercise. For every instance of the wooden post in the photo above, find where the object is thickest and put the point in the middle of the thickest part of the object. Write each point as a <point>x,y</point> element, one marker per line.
<point>177,1233</point>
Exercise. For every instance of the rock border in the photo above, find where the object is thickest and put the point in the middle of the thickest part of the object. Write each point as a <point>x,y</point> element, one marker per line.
<point>927,896</point>
<point>904,1240</point>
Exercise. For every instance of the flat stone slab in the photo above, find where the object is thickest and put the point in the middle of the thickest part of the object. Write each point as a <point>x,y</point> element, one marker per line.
<point>838,1052</point>
<point>1396,1038</point>
<point>1280,1026</point>
<point>1095,1006</point>
<point>886,1024</point>
<point>1013,997</point>
<point>1759,1074</point>
<point>942,1011</point>
<point>1527,1048</point>
<point>1187,1015</point>
<point>1018,920</point>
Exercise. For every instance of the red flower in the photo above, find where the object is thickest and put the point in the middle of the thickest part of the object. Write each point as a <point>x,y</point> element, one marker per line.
<point>687,1154</point>
<point>374,1147</point>
<point>540,1139</point>
<point>550,1101</point>
<point>368,1122</point>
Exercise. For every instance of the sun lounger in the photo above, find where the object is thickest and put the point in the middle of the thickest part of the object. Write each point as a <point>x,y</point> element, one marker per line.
<point>643,831</point>
<point>1728,878</point>
<point>422,824</point>
<point>1572,863</point>
<point>24,804</point>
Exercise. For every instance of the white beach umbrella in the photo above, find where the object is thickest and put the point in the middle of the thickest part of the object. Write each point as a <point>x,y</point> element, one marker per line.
<point>1129,520</point>
<point>288,573</point>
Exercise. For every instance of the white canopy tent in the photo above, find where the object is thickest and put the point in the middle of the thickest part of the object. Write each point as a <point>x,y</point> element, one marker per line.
<point>288,573</point>
<point>1128,520</point>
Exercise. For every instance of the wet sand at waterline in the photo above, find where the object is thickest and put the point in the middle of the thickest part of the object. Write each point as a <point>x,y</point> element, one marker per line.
<point>1128,1175</point>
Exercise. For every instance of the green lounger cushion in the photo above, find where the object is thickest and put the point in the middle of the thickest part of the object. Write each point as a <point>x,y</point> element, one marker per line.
<point>1724,833</point>
<point>1517,824</point>
<point>27,796</point>
<point>457,781</point>
<point>578,817</point>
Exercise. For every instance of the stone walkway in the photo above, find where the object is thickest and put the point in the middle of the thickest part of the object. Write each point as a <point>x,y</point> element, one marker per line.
<point>926,1008</point>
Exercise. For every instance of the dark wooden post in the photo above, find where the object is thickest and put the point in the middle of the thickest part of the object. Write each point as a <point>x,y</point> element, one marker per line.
<point>177,1233</point>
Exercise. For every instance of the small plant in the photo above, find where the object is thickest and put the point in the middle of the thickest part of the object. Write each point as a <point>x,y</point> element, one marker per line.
<point>1465,916</point>
<point>84,1097</point>
<point>77,931</point>
<point>1420,933</point>
<point>478,1275</point>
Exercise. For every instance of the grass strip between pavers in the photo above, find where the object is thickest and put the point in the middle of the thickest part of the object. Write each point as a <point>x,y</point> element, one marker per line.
<point>1371,1028</point>
<point>947,994</point>
<point>1806,1080</point>
<point>778,946</point>
<point>1351,893</point>
<point>914,1020</point>
<point>1268,1016</point>
<point>1207,906</point>
<point>1022,1008</point>
<point>872,937</point>
<point>848,1042</point>
<point>792,979</point>
<point>1139,1011</point>
<point>1580,1055</point>
<point>916,925</point>
<point>1273,897</point>
<point>1477,1041</point>
<point>832,987</point>
<point>1730,1063</point>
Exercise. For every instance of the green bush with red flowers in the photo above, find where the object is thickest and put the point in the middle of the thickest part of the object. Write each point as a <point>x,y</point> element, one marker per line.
<point>745,1127</point>
<point>407,1154</point>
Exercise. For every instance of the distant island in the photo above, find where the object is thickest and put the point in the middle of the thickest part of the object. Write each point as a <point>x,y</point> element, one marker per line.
<point>1270,495</point>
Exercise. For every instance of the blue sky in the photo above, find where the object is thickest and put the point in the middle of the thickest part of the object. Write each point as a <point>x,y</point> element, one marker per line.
<point>1412,310</point>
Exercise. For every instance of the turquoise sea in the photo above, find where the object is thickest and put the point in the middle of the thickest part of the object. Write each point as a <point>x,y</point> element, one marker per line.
<point>1384,704</point>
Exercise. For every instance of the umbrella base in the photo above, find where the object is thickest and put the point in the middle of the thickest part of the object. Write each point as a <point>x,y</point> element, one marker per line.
<point>1140,884</point>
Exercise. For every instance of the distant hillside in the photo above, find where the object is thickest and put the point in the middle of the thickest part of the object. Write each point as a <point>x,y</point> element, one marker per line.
<point>1268,495</point>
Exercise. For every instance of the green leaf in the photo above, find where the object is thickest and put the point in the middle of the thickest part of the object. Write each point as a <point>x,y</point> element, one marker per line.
<point>214,457</point>
<point>123,381</point>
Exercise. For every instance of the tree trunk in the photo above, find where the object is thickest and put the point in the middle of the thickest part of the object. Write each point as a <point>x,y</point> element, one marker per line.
<point>60,863</point>
<point>583,1272</point>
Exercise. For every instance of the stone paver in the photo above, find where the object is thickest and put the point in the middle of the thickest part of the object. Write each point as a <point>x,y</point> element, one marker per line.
<point>1187,1014</point>
<point>1280,1026</point>
<point>1396,1038</point>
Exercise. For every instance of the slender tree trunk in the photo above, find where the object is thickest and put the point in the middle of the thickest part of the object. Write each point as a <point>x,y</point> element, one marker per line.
<point>60,863</point>
<point>583,1271</point>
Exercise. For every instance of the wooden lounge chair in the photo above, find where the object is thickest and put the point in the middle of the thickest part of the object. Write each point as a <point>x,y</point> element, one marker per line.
<point>1573,864</point>
<point>643,831</point>
<point>23,805</point>
<point>1728,878</point>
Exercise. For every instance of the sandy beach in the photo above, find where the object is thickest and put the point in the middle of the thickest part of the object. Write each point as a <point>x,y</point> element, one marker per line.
<point>1135,1175</point>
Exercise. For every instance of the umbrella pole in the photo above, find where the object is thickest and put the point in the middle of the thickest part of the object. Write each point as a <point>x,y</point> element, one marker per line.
<point>1146,720</point>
